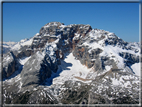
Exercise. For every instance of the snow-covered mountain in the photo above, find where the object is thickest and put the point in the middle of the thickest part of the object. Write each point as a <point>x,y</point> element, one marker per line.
<point>72,64</point>
<point>6,46</point>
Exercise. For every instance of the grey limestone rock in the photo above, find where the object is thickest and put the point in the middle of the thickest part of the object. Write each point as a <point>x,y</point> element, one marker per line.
<point>10,65</point>
<point>36,70</point>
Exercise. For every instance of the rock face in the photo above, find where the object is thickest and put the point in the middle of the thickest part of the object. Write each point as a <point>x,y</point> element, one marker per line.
<point>37,69</point>
<point>72,64</point>
<point>10,65</point>
<point>82,54</point>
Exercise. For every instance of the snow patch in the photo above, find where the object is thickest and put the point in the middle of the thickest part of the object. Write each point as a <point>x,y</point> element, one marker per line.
<point>136,69</point>
<point>24,60</point>
<point>71,68</point>
<point>108,68</point>
<point>115,81</point>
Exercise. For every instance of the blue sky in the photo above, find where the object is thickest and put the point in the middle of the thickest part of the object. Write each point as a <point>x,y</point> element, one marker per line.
<point>24,20</point>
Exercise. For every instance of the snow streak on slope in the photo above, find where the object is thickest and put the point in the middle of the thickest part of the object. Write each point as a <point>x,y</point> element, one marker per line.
<point>71,69</point>
<point>24,60</point>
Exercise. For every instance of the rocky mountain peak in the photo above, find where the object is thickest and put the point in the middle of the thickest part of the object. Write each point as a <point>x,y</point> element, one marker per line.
<point>54,24</point>
<point>96,62</point>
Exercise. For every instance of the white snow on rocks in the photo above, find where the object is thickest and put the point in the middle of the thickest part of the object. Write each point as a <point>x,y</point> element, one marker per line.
<point>71,68</point>
<point>24,60</point>
<point>113,53</point>
<point>8,44</point>
<point>24,42</point>
<point>115,81</point>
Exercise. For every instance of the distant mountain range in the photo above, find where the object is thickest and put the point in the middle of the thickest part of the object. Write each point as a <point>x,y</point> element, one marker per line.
<point>7,46</point>
<point>71,64</point>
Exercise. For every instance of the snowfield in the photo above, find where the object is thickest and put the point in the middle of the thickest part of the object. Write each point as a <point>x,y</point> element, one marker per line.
<point>71,69</point>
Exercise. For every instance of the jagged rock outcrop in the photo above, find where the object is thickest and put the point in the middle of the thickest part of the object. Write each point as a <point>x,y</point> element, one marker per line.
<point>24,52</point>
<point>130,58</point>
